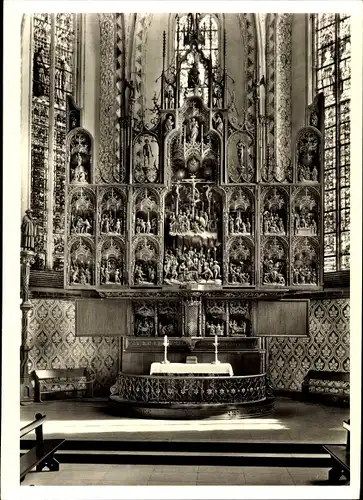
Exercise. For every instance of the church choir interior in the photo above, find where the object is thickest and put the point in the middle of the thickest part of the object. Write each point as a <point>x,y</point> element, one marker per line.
<point>185,249</point>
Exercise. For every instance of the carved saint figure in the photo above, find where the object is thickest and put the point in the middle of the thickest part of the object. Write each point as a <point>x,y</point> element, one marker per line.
<point>169,124</point>
<point>170,97</point>
<point>147,154</point>
<point>194,129</point>
<point>241,148</point>
<point>28,231</point>
<point>80,174</point>
<point>219,123</point>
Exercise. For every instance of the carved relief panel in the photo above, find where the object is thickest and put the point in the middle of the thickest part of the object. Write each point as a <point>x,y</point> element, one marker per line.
<point>240,318</point>
<point>275,212</point>
<point>82,212</point>
<point>111,268</point>
<point>241,261</point>
<point>169,318</point>
<point>193,234</point>
<point>112,211</point>
<point>147,212</point>
<point>145,263</point>
<point>274,261</point>
<point>144,319</point>
<point>231,318</point>
<point>306,212</point>
<point>241,211</point>
<point>80,271</point>
<point>215,318</point>
<point>305,268</point>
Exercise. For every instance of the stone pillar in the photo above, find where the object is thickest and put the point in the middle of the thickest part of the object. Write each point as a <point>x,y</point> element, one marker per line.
<point>26,387</point>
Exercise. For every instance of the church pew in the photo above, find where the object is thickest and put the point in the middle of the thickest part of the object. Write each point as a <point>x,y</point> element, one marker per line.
<point>340,455</point>
<point>42,454</point>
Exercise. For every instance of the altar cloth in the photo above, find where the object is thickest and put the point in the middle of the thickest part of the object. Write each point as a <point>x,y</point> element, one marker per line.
<point>191,369</point>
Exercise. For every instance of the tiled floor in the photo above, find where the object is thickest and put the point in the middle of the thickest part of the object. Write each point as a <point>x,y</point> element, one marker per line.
<point>148,475</point>
<point>292,421</point>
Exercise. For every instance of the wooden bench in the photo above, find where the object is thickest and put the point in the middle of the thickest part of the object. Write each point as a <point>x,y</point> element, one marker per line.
<point>325,386</point>
<point>340,455</point>
<point>42,455</point>
<point>62,380</point>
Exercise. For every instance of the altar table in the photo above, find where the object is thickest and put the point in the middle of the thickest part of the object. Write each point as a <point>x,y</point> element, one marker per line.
<point>191,369</point>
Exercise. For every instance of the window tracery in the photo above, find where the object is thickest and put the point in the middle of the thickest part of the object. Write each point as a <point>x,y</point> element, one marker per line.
<point>332,51</point>
<point>53,37</point>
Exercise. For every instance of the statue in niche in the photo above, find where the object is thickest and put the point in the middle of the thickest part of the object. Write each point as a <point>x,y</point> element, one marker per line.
<point>194,130</point>
<point>169,124</point>
<point>147,154</point>
<point>217,97</point>
<point>80,175</point>
<point>169,97</point>
<point>28,231</point>
<point>308,161</point>
<point>239,161</point>
<point>193,76</point>
<point>39,74</point>
<point>146,159</point>
<point>218,123</point>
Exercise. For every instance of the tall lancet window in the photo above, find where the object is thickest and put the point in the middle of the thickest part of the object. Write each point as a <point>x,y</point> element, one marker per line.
<point>53,47</point>
<point>333,69</point>
<point>197,51</point>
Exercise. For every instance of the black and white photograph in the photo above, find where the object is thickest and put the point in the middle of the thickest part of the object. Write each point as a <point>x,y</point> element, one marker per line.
<point>178,198</point>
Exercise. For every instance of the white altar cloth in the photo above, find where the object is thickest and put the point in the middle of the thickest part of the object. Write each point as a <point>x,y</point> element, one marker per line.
<point>194,368</point>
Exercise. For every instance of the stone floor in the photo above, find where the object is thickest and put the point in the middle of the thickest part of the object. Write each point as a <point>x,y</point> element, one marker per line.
<point>148,475</point>
<point>292,421</point>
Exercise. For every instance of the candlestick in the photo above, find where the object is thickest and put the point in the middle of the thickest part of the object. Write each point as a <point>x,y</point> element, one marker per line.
<point>166,343</point>
<point>216,361</point>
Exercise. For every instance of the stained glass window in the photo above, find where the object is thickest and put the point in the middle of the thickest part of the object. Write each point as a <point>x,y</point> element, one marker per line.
<point>333,67</point>
<point>196,46</point>
<point>53,63</point>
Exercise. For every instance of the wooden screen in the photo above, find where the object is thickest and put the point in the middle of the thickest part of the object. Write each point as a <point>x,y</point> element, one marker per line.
<point>101,317</point>
<point>282,318</point>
